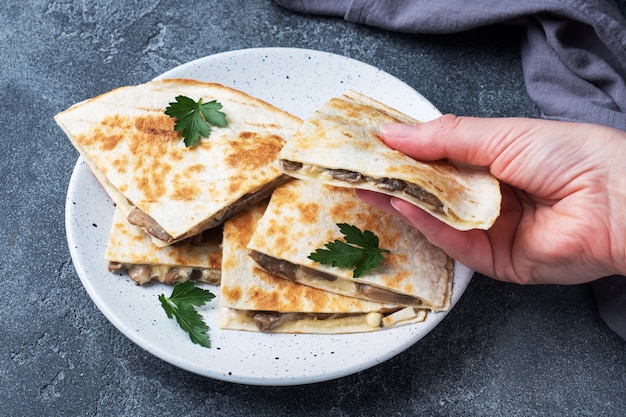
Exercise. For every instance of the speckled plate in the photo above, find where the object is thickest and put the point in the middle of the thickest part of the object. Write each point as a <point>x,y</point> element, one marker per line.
<point>299,81</point>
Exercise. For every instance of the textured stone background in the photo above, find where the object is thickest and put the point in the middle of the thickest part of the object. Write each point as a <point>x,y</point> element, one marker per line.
<point>504,350</point>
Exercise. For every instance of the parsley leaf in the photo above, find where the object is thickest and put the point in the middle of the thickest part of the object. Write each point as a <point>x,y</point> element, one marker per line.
<point>360,251</point>
<point>195,119</point>
<point>180,305</point>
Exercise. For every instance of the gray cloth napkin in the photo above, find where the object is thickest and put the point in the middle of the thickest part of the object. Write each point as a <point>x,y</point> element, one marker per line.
<point>574,54</point>
<point>573,57</point>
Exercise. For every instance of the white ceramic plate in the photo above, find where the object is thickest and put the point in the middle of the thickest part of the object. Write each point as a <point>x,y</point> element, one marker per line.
<point>299,81</point>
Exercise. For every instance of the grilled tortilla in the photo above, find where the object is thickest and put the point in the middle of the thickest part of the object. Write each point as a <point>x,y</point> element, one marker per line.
<point>171,191</point>
<point>252,299</point>
<point>303,215</point>
<point>339,145</point>
<point>198,258</point>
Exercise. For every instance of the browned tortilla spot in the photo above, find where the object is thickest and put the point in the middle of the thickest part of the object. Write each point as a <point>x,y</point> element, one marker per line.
<point>253,151</point>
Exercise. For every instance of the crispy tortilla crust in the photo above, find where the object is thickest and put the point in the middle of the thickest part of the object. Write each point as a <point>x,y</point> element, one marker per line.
<point>252,299</point>
<point>343,136</point>
<point>302,216</point>
<point>130,145</point>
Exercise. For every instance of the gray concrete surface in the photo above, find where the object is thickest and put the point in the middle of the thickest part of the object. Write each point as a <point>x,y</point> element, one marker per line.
<point>505,350</point>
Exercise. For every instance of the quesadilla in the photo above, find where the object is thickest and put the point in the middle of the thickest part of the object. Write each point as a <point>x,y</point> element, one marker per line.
<point>170,190</point>
<point>130,249</point>
<point>339,145</point>
<point>302,216</point>
<point>254,300</point>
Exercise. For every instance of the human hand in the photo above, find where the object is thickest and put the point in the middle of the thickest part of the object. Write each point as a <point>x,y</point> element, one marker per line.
<point>563,216</point>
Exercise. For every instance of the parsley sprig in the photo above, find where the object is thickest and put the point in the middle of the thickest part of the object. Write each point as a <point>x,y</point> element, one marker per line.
<point>180,305</point>
<point>195,119</point>
<point>360,251</point>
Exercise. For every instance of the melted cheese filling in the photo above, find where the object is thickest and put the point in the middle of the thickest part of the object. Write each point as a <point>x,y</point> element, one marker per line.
<point>167,274</point>
<point>323,323</point>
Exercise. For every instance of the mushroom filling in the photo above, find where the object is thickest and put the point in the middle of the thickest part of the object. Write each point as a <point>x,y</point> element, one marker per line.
<point>293,272</point>
<point>140,219</point>
<point>385,184</point>
<point>143,273</point>
<point>268,320</point>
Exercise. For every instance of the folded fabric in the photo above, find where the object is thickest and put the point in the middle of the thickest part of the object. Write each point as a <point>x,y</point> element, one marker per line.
<point>574,54</point>
<point>573,58</point>
<point>610,295</point>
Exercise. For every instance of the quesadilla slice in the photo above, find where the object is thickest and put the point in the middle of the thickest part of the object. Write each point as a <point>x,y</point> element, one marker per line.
<point>254,300</point>
<point>130,249</point>
<point>339,145</point>
<point>303,215</point>
<point>170,190</point>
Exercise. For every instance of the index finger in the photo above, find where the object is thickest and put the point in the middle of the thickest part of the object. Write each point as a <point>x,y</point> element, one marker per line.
<point>470,140</point>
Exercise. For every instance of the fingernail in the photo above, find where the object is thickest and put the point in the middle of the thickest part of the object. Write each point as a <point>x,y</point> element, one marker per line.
<point>396,130</point>
<point>394,203</point>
